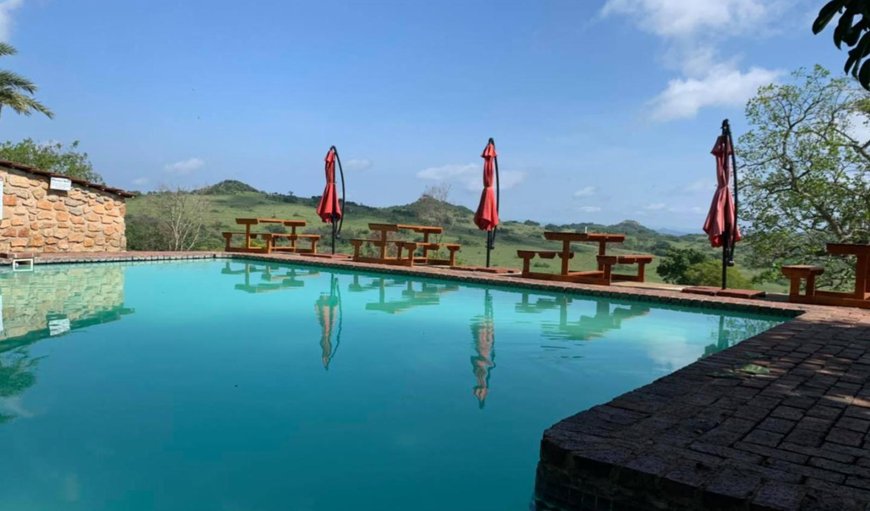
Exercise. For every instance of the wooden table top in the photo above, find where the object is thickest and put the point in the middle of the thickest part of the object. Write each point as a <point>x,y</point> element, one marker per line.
<point>848,248</point>
<point>584,236</point>
<point>255,221</point>
<point>432,229</point>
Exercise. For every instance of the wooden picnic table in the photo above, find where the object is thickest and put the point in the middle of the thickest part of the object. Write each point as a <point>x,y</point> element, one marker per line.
<point>862,266</point>
<point>270,238</point>
<point>381,240</point>
<point>567,238</point>
<point>859,297</point>
<point>248,222</point>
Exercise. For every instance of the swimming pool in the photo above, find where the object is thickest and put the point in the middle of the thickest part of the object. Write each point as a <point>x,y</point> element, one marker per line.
<point>241,385</point>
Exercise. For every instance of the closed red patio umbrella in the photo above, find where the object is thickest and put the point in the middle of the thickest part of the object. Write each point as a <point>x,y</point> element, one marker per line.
<point>486,216</point>
<point>329,209</point>
<point>721,224</point>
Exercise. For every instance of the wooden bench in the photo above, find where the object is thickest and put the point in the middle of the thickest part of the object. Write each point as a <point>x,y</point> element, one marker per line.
<point>528,255</point>
<point>408,246</point>
<point>272,237</point>
<point>798,272</point>
<point>427,259</point>
<point>228,236</point>
<point>606,263</point>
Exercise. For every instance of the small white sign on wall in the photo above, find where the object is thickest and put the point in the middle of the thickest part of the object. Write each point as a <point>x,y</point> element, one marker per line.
<point>60,183</point>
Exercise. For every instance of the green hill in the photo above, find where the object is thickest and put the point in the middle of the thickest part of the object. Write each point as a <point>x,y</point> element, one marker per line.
<point>228,200</point>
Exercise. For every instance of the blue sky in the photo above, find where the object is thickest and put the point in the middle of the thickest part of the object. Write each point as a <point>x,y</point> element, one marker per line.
<point>601,110</point>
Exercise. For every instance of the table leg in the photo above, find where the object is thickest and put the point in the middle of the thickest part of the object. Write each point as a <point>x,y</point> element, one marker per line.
<point>862,276</point>
<point>566,254</point>
<point>383,245</point>
<point>248,236</point>
<point>602,250</point>
<point>293,238</point>
<point>425,241</point>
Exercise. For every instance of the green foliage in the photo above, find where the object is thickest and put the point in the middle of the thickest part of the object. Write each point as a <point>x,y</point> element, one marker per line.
<point>709,273</point>
<point>16,91</point>
<point>143,233</point>
<point>805,176</point>
<point>675,264</point>
<point>856,34</point>
<point>52,157</point>
<point>227,187</point>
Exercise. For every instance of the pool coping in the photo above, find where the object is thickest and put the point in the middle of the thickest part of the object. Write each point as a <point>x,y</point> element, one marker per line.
<point>779,421</point>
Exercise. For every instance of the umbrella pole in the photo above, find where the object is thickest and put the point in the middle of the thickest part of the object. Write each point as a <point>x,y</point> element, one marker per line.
<point>488,246</point>
<point>734,172</point>
<point>726,235</point>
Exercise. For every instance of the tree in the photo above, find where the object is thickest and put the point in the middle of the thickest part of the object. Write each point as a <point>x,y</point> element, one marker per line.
<point>181,219</point>
<point>856,34</point>
<point>709,273</point>
<point>676,262</point>
<point>805,173</point>
<point>16,91</point>
<point>52,157</point>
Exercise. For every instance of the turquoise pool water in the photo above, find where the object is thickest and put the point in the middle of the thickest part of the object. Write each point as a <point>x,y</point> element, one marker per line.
<point>220,385</point>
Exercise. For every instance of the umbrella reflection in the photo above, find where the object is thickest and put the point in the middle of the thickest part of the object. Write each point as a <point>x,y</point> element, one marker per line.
<point>328,310</point>
<point>483,331</point>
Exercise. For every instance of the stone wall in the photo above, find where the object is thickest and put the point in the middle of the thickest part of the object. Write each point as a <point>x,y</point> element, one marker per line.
<point>36,219</point>
<point>76,292</point>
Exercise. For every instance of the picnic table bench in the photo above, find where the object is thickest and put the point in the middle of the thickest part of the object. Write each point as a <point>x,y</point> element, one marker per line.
<point>859,297</point>
<point>602,275</point>
<point>405,250</point>
<point>270,238</point>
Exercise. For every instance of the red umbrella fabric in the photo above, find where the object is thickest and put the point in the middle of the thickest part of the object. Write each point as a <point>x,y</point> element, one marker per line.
<point>722,214</point>
<point>486,217</point>
<point>329,208</point>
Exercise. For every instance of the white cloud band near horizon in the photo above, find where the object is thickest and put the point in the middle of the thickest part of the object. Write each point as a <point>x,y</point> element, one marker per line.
<point>469,176</point>
<point>184,167</point>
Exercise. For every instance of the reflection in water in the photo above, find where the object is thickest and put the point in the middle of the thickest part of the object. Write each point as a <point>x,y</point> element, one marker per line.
<point>586,327</point>
<point>483,332</point>
<point>273,276</point>
<point>428,294</point>
<point>49,302</point>
<point>328,310</point>
<point>732,330</point>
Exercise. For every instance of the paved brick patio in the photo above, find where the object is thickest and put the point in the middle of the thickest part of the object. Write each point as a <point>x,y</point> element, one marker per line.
<point>780,421</point>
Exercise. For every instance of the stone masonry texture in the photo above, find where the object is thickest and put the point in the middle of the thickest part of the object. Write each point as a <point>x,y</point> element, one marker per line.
<point>36,219</point>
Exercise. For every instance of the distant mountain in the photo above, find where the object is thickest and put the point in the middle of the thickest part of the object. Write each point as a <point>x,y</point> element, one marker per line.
<point>227,187</point>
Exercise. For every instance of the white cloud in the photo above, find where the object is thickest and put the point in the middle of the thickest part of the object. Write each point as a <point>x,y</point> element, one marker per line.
<point>358,164</point>
<point>685,18</point>
<point>184,166</point>
<point>720,86</point>
<point>470,176</point>
<point>655,206</point>
<point>693,31</point>
<point>447,171</point>
<point>586,191</point>
<point>139,181</point>
<point>6,9</point>
<point>588,209</point>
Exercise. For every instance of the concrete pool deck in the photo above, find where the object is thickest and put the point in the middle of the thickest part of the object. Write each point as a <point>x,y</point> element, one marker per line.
<point>779,421</point>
